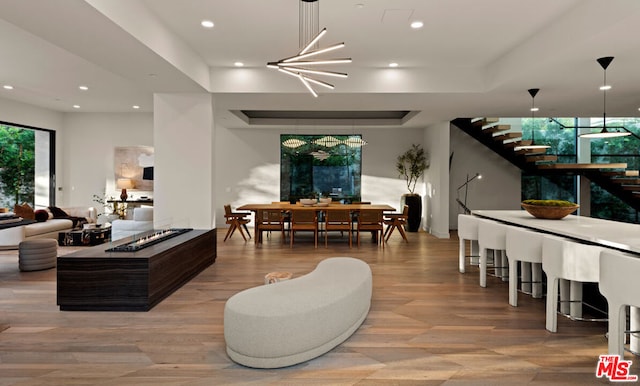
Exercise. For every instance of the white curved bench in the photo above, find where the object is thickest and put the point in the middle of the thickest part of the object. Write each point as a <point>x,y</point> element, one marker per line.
<point>292,321</point>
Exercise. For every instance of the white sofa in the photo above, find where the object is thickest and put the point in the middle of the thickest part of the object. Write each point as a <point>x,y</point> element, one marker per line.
<point>292,321</point>
<point>142,221</point>
<point>10,238</point>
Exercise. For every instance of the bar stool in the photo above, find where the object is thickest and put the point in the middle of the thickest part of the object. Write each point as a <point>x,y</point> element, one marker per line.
<point>492,235</point>
<point>525,247</point>
<point>571,263</point>
<point>467,231</point>
<point>619,283</point>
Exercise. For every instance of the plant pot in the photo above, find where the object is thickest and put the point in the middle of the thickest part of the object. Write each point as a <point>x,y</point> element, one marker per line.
<point>414,202</point>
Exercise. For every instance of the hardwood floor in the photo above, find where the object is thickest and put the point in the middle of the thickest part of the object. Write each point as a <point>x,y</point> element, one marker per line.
<point>428,325</point>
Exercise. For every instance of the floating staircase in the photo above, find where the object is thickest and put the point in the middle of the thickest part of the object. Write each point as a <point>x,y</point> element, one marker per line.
<point>613,177</point>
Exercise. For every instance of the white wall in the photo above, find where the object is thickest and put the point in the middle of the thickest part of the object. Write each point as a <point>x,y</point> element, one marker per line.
<point>436,197</point>
<point>500,186</point>
<point>89,142</point>
<point>248,163</point>
<point>184,173</point>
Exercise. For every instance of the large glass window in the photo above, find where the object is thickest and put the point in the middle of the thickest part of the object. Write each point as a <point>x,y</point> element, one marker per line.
<point>26,165</point>
<point>561,135</point>
<point>320,165</point>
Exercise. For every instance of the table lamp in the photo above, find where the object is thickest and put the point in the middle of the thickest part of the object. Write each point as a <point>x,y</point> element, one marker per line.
<point>124,184</point>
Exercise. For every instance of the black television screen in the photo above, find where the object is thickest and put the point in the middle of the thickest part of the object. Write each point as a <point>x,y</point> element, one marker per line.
<point>147,173</point>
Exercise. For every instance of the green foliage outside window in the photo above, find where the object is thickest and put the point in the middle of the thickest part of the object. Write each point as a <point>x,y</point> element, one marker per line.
<point>17,165</point>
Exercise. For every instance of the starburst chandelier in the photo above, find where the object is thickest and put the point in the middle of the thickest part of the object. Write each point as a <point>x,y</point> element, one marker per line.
<point>298,65</point>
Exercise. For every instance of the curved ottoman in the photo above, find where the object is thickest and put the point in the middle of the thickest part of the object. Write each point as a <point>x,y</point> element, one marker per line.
<point>37,254</point>
<point>292,321</point>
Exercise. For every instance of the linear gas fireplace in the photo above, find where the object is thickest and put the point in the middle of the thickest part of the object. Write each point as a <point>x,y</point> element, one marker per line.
<point>149,239</point>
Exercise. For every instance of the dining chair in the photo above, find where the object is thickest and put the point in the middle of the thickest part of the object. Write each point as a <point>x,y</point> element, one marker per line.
<point>524,248</point>
<point>492,235</point>
<point>337,220</point>
<point>236,220</point>
<point>467,231</point>
<point>370,220</point>
<point>268,220</point>
<point>619,284</point>
<point>303,220</point>
<point>396,221</point>
<point>568,264</point>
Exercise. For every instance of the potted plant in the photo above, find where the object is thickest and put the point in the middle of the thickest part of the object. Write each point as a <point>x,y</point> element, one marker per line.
<point>411,165</point>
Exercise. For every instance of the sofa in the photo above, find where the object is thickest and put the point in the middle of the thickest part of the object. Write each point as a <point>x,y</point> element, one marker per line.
<point>142,221</point>
<point>10,238</point>
<point>292,321</point>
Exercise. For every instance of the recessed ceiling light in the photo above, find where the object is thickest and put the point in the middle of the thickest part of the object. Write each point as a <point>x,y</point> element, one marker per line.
<point>394,64</point>
<point>417,24</point>
<point>359,5</point>
<point>207,24</point>
<point>238,64</point>
<point>83,88</point>
<point>605,87</point>
<point>76,106</point>
<point>7,87</point>
<point>135,107</point>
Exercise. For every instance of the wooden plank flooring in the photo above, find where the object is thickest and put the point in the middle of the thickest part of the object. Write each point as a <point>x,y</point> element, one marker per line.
<point>428,325</point>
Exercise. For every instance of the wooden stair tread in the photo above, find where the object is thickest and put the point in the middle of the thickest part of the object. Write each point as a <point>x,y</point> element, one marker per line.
<point>621,173</point>
<point>626,180</point>
<point>496,129</point>
<point>506,136</point>
<point>539,158</point>
<point>631,187</point>
<point>585,166</point>
<point>530,151</point>
<point>512,144</point>
<point>484,121</point>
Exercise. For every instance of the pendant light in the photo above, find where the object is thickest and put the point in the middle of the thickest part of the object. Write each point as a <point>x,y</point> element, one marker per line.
<point>298,65</point>
<point>533,92</point>
<point>604,133</point>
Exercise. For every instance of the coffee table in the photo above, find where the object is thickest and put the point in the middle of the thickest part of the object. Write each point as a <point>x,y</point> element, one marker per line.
<point>91,236</point>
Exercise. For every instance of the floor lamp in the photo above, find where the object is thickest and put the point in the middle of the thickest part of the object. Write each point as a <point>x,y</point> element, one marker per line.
<point>466,189</point>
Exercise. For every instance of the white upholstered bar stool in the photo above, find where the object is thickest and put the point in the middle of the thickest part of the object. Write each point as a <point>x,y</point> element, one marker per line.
<point>492,235</point>
<point>467,231</point>
<point>619,283</point>
<point>525,247</point>
<point>567,264</point>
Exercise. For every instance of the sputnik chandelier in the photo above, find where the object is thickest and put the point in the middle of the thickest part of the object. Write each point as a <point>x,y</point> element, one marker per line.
<point>298,65</point>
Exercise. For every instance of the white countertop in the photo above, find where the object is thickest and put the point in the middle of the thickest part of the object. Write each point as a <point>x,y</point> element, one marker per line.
<point>612,234</point>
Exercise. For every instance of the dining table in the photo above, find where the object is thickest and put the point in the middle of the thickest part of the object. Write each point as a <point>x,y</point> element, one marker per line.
<point>318,207</point>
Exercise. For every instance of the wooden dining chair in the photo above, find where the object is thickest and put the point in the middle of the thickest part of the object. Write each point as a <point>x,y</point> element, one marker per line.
<point>337,220</point>
<point>303,220</point>
<point>236,220</point>
<point>268,220</point>
<point>396,221</point>
<point>370,220</point>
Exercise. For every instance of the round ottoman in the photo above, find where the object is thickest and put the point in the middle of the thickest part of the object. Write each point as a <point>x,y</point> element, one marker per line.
<point>37,254</point>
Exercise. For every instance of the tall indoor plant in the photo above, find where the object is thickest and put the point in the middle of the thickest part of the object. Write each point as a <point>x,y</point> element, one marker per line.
<point>411,165</point>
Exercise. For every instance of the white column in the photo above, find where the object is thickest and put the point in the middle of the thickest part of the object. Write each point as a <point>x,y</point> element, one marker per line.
<point>183,137</point>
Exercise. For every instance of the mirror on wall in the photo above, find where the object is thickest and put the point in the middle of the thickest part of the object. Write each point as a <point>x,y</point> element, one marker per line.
<point>320,165</point>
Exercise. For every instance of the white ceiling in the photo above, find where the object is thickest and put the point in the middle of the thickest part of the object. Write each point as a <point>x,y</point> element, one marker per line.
<point>471,58</point>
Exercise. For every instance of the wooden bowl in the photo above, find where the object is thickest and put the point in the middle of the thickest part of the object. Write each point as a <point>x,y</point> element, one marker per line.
<point>307,201</point>
<point>550,212</point>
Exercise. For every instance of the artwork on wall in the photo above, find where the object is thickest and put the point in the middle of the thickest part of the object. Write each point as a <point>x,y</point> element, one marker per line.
<point>320,165</point>
<point>134,163</point>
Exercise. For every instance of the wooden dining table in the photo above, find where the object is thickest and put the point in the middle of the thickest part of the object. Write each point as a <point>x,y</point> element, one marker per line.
<point>316,207</point>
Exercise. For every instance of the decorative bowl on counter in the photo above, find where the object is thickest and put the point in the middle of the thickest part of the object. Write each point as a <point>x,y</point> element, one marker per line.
<point>325,200</point>
<point>307,201</point>
<point>549,209</point>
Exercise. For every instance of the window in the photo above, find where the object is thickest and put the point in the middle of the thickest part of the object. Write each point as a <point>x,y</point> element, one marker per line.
<point>27,165</point>
<point>320,165</point>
